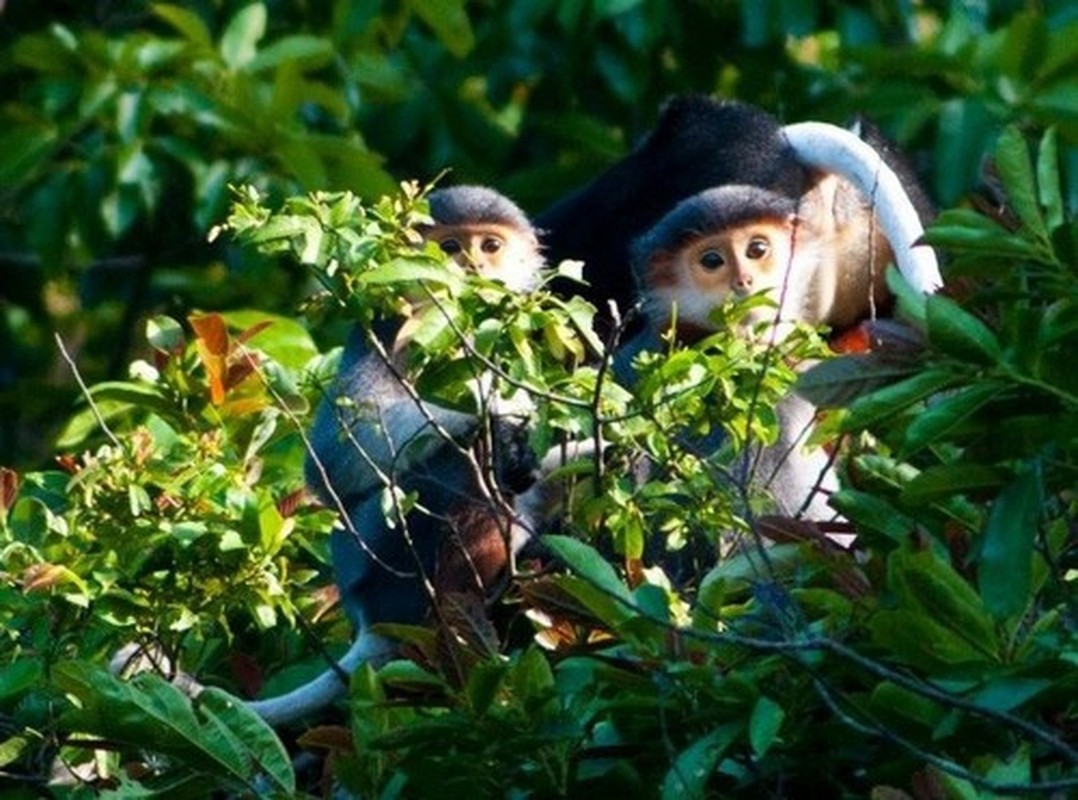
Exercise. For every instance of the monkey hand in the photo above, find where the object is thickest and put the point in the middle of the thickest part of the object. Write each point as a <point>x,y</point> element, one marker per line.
<point>515,464</point>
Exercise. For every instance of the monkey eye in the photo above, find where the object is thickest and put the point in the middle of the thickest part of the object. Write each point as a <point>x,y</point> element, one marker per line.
<point>450,247</point>
<point>491,244</point>
<point>758,248</point>
<point>711,260</point>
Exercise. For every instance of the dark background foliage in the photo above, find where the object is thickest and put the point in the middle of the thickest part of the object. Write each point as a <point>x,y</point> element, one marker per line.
<point>123,123</point>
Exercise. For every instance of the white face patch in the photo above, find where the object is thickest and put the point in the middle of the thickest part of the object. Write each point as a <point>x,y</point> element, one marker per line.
<point>714,268</point>
<point>498,252</point>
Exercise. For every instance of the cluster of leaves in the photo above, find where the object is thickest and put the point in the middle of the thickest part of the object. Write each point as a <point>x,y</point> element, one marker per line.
<point>182,534</point>
<point>123,123</point>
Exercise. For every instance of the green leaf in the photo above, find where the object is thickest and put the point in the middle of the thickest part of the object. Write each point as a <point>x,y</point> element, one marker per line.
<point>230,721</point>
<point>968,230</point>
<point>958,333</point>
<point>764,724</point>
<point>312,51</point>
<point>909,302</point>
<point>1006,554</point>
<point>688,775</point>
<point>239,42</point>
<point>408,271</point>
<point>836,382</point>
<point>449,21</point>
<point>24,150</point>
<point>165,334</point>
<point>484,683</point>
<point>926,584</point>
<point>871,513</point>
<point>892,701</point>
<point>920,641</point>
<point>1016,172</point>
<point>944,415</point>
<point>588,563</point>
<point>17,677</point>
<point>946,480</point>
<point>1049,188</point>
<point>224,738</point>
<point>186,22</point>
<point>884,404</point>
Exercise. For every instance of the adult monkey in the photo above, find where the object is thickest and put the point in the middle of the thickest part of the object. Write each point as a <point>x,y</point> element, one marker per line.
<point>371,430</point>
<point>820,256</point>
<point>700,143</point>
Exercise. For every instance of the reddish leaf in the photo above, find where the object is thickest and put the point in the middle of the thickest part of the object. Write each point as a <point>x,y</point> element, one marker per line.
<point>9,489</point>
<point>212,344</point>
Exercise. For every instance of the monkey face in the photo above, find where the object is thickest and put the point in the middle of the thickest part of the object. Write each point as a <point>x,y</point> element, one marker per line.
<point>709,269</point>
<point>498,252</point>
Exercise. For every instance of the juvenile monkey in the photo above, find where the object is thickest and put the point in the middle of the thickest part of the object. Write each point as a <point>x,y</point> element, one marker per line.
<point>370,429</point>
<point>737,240</point>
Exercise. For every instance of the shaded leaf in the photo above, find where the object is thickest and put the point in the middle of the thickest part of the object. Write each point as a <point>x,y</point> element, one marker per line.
<point>836,382</point>
<point>925,582</point>
<point>947,413</point>
<point>885,403</point>
<point>689,773</point>
<point>1006,552</point>
<point>764,724</point>
<point>958,333</point>
<point>945,480</point>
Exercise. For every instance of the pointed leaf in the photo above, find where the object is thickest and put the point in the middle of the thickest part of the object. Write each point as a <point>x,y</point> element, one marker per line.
<point>958,333</point>
<point>947,413</point>
<point>946,480</point>
<point>886,403</point>
<point>186,22</point>
<point>588,563</point>
<point>923,582</point>
<point>449,21</point>
<point>212,345</point>
<point>1049,187</point>
<point>1016,171</point>
<point>1006,553</point>
<point>689,774</point>
<point>764,724</point>
<point>239,42</point>
<point>836,382</point>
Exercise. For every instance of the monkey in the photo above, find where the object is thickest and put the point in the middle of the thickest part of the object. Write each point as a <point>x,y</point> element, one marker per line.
<point>821,257</point>
<point>697,143</point>
<point>700,143</point>
<point>370,429</point>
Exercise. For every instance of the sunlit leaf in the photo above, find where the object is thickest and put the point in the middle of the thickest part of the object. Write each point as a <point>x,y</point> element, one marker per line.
<point>239,42</point>
<point>1049,180</point>
<point>212,345</point>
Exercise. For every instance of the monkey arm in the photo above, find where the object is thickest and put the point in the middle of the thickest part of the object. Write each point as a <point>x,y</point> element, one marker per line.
<point>833,149</point>
<point>369,427</point>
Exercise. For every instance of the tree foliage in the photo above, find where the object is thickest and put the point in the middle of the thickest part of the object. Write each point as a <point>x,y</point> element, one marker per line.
<point>936,659</point>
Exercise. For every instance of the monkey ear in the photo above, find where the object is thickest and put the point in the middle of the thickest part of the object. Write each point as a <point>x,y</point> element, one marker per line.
<point>658,270</point>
